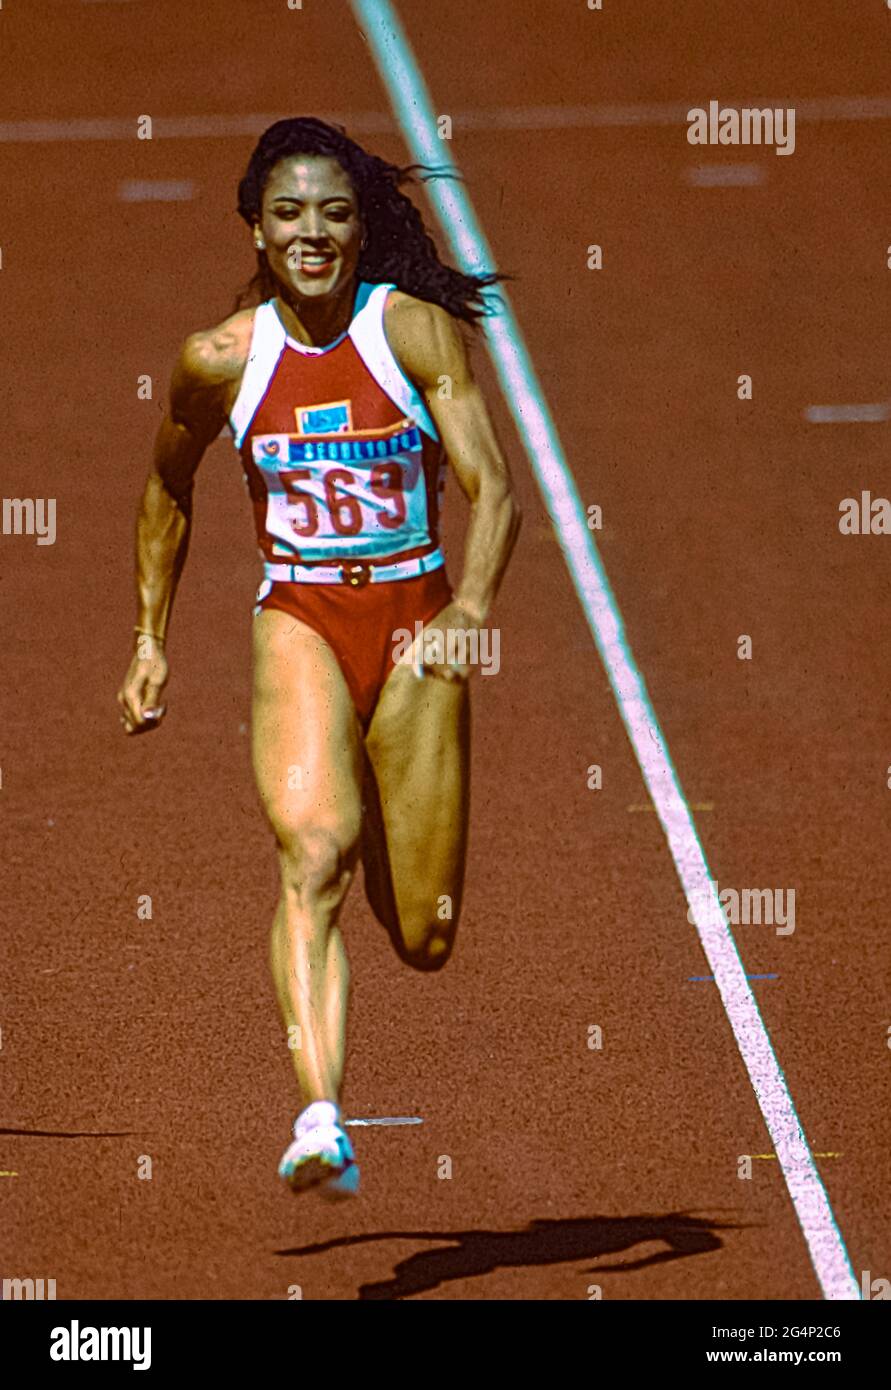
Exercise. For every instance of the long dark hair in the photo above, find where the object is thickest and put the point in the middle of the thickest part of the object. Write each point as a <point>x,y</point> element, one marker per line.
<point>398,249</point>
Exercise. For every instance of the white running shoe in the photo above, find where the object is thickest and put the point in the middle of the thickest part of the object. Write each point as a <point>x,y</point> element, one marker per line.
<point>321,1155</point>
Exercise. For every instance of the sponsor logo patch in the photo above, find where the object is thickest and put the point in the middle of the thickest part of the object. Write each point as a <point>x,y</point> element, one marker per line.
<point>334,418</point>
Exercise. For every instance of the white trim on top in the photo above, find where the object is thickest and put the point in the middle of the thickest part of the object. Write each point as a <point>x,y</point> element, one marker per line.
<point>267,345</point>
<point>370,341</point>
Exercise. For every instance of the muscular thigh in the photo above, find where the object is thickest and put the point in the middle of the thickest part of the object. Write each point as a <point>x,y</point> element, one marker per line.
<point>419,754</point>
<point>306,742</point>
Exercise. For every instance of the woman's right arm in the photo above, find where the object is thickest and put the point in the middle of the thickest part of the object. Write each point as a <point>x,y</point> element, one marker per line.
<point>195,416</point>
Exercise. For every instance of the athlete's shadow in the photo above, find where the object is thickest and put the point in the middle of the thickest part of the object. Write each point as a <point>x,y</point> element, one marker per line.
<point>543,1242</point>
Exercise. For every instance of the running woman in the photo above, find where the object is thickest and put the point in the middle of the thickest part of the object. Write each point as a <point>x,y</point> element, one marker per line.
<point>347,391</point>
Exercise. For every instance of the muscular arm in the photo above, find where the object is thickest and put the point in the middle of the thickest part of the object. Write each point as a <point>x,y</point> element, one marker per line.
<point>207,365</point>
<point>428,345</point>
<point>195,416</point>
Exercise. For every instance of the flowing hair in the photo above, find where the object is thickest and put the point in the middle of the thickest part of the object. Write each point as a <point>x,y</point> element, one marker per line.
<point>397,249</point>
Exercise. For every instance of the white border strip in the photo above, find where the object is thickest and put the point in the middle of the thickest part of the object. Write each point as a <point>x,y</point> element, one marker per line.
<point>402,78</point>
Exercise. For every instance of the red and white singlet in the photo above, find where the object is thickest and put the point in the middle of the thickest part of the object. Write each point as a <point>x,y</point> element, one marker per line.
<point>342,460</point>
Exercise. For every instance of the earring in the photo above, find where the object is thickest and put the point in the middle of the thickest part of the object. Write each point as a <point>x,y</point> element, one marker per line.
<point>260,245</point>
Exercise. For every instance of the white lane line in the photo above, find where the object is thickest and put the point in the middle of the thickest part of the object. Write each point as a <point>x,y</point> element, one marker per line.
<point>156,191</point>
<point>524,397</point>
<point>726,175</point>
<point>521,118</point>
<point>846,414</point>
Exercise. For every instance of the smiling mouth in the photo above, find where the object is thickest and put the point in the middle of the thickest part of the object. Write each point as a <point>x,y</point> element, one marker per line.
<point>315,262</point>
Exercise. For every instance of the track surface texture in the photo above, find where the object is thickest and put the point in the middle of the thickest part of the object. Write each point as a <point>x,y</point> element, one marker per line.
<point>571,1164</point>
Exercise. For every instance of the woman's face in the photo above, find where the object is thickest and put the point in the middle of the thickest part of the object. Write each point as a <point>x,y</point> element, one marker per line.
<point>311,226</point>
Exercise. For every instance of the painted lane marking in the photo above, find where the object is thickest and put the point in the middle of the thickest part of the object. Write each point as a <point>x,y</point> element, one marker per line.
<point>520,118</point>
<point>156,191</point>
<point>389,1120</point>
<point>693,806</point>
<point>692,979</point>
<point>726,175</point>
<point>662,113</point>
<point>524,398</point>
<point>846,414</point>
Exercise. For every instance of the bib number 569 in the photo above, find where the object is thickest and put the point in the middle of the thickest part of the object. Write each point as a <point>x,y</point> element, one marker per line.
<point>344,510</point>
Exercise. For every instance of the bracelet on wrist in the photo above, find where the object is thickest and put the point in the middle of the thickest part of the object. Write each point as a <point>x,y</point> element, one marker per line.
<point>144,632</point>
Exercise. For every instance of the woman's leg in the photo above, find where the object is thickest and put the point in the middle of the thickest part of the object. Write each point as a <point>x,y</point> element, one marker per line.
<point>307,762</point>
<point>417,795</point>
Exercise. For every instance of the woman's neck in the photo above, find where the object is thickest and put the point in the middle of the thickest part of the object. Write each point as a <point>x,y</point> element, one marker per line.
<point>317,322</point>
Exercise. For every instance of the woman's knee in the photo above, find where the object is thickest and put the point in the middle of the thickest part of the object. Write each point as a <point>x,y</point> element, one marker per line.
<point>426,941</point>
<point>317,861</point>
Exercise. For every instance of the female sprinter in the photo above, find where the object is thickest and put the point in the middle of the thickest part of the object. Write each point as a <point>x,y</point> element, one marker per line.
<point>347,390</point>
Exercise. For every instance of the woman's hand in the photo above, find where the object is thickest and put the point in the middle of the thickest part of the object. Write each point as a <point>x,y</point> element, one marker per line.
<point>441,657</point>
<point>139,697</point>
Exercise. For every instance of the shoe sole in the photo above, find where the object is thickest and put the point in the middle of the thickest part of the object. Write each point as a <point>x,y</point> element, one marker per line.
<point>334,1181</point>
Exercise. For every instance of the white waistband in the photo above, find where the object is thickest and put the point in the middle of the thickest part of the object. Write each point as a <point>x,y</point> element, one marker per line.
<point>356,573</point>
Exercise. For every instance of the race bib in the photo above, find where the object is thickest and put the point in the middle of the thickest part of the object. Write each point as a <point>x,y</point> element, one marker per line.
<point>343,497</point>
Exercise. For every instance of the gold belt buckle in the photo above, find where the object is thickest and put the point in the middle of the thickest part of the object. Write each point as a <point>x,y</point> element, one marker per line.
<point>356,575</point>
